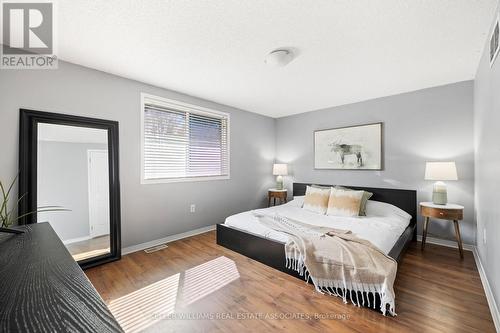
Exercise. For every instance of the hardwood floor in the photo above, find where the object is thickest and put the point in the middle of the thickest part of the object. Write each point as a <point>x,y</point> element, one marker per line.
<point>197,286</point>
<point>89,248</point>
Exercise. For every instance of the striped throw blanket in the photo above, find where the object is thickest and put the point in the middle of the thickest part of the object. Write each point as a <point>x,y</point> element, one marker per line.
<point>337,262</point>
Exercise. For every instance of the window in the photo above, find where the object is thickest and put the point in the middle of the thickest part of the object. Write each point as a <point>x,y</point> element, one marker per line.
<point>182,142</point>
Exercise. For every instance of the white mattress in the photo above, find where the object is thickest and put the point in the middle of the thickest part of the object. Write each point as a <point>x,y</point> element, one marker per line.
<point>381,231</point>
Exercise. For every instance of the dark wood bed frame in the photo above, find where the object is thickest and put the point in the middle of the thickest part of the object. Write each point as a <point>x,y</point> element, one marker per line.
<point>272,253</point>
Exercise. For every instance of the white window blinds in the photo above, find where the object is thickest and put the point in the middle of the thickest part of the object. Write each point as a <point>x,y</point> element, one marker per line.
<point>184,144</point>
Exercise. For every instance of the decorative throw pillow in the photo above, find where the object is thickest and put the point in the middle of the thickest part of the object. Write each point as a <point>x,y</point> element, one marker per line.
<point>344,202</point>
<point>366,196</point>
<point>316,199</point>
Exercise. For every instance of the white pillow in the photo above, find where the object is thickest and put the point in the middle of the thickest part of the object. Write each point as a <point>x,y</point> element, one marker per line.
<point>377,208</point>
<point>297,201</point>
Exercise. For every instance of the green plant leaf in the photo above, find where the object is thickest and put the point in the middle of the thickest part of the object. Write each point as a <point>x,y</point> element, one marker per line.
<point>40,211</point>
<point>4,201</point>
<point>6,194</point>
<point>6,215</point>
<point>16,204</point>
<point>42,207</point>
<point>12,184</point>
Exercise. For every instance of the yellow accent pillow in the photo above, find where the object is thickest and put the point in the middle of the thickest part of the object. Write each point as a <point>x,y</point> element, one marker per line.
<point>316,199</point>
<point>344,202</point>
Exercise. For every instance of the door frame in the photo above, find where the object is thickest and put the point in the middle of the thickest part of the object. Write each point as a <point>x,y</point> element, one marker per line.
<point>89,153</point>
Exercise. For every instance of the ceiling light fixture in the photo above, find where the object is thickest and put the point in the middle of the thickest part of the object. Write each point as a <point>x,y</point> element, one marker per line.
<point>279,58</point>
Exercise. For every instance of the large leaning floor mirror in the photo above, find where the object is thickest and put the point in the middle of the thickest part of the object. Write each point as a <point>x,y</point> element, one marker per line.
<point>69,178</point>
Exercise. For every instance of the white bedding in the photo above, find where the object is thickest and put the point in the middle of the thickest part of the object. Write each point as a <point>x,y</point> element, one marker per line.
<point>380,227</point>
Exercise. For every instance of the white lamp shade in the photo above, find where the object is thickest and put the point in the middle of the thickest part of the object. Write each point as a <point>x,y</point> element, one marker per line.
<point>280,169</point>
<point>441,171</point>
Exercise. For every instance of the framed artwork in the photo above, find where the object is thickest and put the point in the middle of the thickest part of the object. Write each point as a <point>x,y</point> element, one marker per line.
<point>349,148</point>
<point>494,41</point>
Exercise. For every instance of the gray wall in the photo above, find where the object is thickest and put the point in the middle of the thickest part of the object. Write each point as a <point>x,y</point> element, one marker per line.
<point>63,181</point>
<point>426,125</point>
<point>148,211</point>
<point>487,141</point>
<point>432,124</point>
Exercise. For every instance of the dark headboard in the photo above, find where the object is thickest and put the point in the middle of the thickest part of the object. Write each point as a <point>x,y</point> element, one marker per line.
<point>404,199</point>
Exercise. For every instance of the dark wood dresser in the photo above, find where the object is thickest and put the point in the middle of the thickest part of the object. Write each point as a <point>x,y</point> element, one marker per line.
<point>42,289</point>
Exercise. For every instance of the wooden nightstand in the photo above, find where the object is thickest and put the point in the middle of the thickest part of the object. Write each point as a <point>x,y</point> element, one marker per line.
<point>450,212</point>
<point>273,193</point>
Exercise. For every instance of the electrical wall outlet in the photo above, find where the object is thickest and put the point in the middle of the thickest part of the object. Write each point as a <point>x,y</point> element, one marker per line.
<point>484,236</point>
<point>192,208</point>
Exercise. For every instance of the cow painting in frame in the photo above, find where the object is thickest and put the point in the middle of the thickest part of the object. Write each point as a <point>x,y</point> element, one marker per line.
<point>349,148</point>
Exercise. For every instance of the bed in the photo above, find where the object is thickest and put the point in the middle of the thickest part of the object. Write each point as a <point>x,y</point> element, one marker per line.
<point>241,232</point>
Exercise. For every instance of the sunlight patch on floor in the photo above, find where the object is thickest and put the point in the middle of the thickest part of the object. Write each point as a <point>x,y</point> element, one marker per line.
<point>90,254</point>
<point>206,278</point>
<point>145,307</point>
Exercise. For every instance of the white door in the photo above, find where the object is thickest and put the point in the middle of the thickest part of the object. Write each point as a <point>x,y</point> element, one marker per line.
<point>98,193</point>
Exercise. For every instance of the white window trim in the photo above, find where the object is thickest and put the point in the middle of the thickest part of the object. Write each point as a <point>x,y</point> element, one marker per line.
<point>181,106</point>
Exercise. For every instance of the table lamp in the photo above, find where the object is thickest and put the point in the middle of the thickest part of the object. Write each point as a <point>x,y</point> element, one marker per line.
<point>440,171</point>
<point>280,170</point>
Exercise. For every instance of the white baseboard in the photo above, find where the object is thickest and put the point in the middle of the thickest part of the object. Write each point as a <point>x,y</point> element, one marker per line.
<point>487,290</point>
<point>445,242</point>
<point>74,240</point>
<point>139,247</point>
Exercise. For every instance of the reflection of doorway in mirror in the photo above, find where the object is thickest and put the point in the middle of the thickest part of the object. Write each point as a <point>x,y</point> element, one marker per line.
<point>67,178</point>
<point>98,193</point>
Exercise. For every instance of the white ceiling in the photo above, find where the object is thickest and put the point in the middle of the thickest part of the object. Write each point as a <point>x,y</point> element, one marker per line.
<point>349,50</point>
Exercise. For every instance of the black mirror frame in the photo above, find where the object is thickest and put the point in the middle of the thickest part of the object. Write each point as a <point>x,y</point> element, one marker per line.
<point>28,136</point>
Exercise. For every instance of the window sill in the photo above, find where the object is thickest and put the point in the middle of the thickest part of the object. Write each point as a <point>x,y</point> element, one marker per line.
<point>184,179</point>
